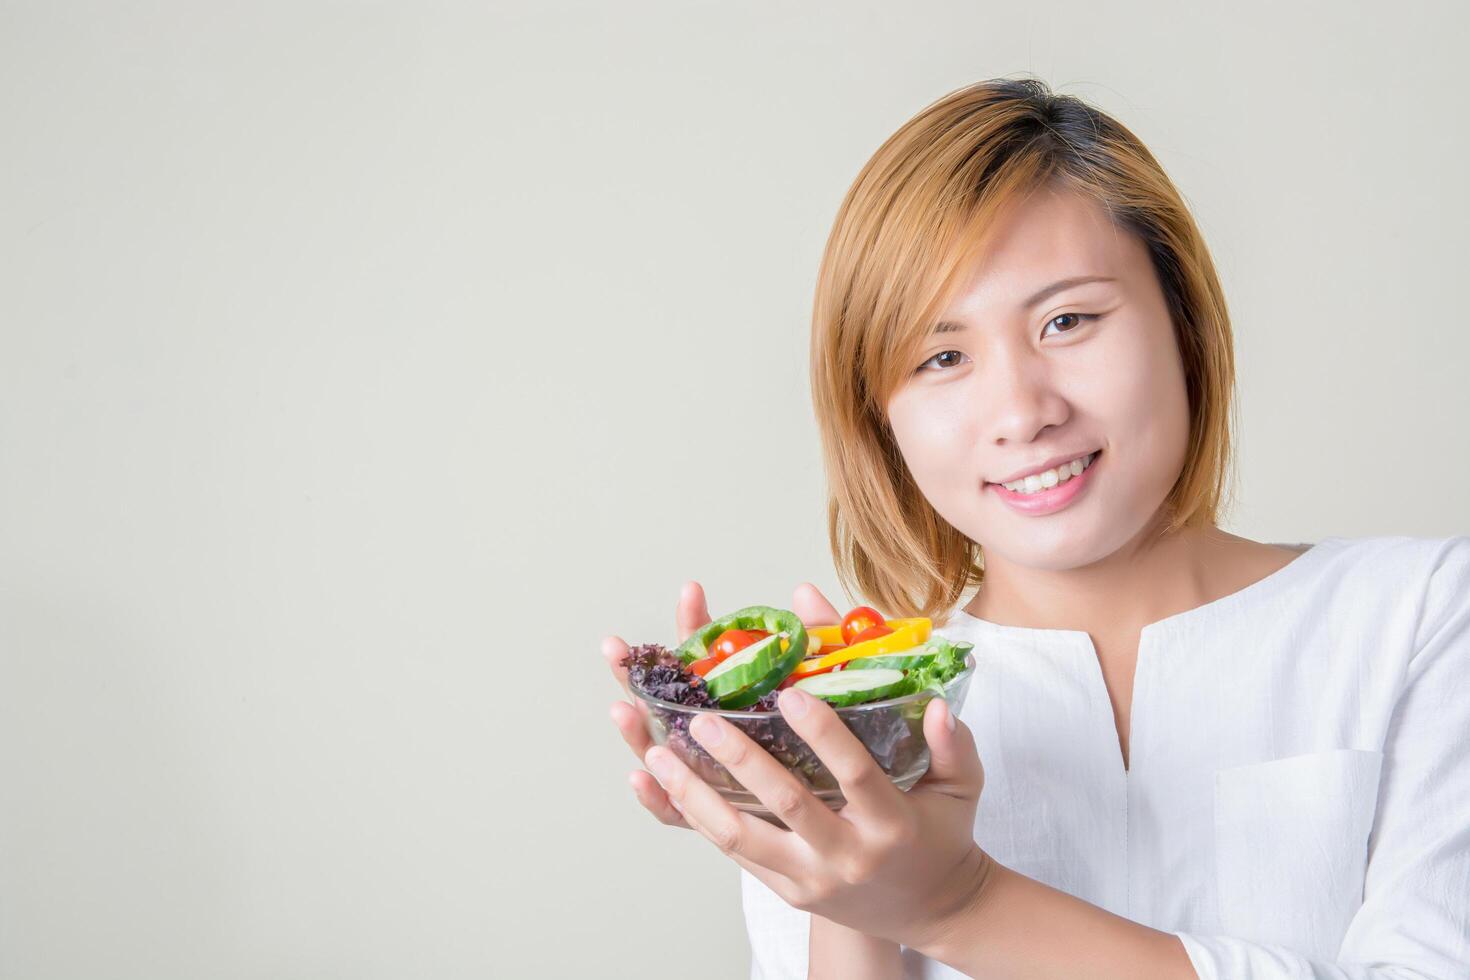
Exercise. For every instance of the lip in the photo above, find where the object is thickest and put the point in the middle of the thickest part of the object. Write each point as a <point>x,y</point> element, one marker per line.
<point>1048,501</point>
<point>1043,467</point>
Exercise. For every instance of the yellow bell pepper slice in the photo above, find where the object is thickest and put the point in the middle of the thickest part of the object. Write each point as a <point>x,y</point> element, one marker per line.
<point>813,643</point>
<point>924,623</point>
<point>907,634</point>
<point>831,636</point>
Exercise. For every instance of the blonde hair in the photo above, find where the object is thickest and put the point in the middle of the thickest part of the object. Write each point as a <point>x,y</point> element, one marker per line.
<point>913,220</point>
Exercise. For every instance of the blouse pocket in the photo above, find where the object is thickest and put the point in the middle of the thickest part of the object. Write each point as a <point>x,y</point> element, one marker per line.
<point>1291,846</point>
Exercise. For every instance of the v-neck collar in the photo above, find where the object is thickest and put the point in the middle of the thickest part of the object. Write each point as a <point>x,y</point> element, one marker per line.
<point>1232,602</point>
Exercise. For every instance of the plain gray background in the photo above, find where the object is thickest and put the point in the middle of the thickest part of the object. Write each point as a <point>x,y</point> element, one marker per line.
<point>361,365</point>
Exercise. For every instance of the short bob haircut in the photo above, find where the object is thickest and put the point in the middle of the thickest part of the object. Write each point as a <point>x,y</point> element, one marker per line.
<point>913,222</point>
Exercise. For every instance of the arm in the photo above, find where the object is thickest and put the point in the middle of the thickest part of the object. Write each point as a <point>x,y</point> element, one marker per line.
<point>840,953</point>
<point>1019,927</point>
<point>1414,923</point>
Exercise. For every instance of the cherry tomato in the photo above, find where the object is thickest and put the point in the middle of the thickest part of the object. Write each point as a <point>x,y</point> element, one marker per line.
<point>702,667</point>
<point>872,633</point>
<point>788,682</point>
<point>796,677</point>
<point>861,618</point>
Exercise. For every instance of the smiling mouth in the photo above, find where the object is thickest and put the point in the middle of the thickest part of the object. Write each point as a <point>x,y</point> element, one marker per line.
<point>1059,476</point>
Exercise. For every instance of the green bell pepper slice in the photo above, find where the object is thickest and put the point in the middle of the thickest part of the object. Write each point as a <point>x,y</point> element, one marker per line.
<point>767,618</point>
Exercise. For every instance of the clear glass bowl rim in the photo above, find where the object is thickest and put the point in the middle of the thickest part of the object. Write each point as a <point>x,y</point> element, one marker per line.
<point>850,709</point>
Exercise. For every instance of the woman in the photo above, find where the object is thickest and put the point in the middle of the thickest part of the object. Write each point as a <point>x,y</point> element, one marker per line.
<point>1202,755</point>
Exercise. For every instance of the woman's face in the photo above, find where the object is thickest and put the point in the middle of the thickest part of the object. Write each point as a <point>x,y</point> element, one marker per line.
<point>1011,387</point>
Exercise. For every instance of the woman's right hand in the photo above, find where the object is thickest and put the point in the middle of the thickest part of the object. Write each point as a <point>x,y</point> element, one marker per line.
<point>833,950</point>
<point>692,612</point>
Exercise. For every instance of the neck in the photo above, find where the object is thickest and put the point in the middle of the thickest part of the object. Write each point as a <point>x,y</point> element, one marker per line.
<point>1151,576</point>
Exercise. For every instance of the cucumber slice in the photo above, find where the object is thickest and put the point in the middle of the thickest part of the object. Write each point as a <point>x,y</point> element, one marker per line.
<point>845,687</point>
<point>742,679</point>
<point>923,655</point>
<point>740,670</point>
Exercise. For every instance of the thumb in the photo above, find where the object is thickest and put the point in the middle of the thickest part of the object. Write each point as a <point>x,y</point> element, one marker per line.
<point>812,608</point>
<point>954,762</point>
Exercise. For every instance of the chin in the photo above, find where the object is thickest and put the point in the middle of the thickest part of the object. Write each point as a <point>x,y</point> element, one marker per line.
<point>1052,552</point>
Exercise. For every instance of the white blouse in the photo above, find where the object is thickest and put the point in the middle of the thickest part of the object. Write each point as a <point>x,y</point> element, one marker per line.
<point>1297,802</point>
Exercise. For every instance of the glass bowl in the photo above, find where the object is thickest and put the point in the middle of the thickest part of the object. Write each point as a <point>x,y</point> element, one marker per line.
<point>891,730</point>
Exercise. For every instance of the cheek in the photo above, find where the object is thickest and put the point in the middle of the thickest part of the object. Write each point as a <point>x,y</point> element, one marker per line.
<point>1137,394</point>
<point>932,430</point>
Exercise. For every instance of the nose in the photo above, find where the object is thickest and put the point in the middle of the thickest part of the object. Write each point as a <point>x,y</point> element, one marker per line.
<point>1023,397</point>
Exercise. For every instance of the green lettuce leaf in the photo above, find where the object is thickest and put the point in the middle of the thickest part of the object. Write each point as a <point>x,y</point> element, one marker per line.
<point>949,662</point>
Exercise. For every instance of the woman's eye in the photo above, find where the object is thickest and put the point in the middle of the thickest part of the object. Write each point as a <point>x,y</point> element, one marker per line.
<point>939,359</point>
<point>1079,317</point>
<point>949,358</point>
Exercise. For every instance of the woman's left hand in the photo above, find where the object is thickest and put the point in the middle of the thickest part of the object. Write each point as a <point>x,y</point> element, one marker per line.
<point>900,866</point>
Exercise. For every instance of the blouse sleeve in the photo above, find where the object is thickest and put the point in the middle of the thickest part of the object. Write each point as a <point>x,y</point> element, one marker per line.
<point>1414,922</point>
<point>778,933</point>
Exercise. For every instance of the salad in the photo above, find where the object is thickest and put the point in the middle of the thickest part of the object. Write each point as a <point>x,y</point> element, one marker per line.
<point>742,661</point>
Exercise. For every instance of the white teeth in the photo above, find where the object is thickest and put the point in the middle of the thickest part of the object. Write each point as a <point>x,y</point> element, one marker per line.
<point>1037,482</point>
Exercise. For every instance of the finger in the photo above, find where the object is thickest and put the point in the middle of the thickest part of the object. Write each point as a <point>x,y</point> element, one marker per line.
<point>812,608</point>
<point>692,611</point>
<point>614,651</point>
<point>954,762</point>
<point>864,784</point>
<point>654,799</point>
<point>733,831</point>
<point>631,726</point>
<point>773,784</point>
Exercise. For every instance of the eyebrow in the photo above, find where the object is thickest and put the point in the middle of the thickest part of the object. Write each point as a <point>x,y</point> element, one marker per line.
<point>949,326</point>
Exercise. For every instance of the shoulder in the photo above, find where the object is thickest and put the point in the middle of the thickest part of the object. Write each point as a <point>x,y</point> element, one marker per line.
<point>1399,551</point>
<point>1391,560</point>
<point>1426,580</point>
<point>1445,608</point>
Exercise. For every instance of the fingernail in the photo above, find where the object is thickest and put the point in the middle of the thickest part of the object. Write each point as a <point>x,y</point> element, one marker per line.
<point>661,763</point>
<point>948,717</point>
<point>793,702</point>
<point>707,730</point>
